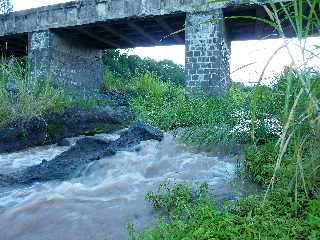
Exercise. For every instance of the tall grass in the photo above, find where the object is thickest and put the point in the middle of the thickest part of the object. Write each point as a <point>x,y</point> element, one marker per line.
<point>286,165</point>
<point>299,139</point>
<point>301,107</point>
<point>24,98</point>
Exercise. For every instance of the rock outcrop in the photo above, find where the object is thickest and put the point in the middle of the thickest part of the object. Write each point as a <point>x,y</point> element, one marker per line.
<point>56,126</point>
<point>71,163</point>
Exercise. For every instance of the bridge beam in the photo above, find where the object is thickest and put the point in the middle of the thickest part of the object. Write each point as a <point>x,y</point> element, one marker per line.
<point>69,63</point>
<point>207,53</point>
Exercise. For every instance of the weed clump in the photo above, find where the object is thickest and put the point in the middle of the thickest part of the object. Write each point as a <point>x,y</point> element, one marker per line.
<point>24,98</point>
<point>192,214</point>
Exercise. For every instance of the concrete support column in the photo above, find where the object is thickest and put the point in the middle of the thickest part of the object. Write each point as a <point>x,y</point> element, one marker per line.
<point>207,53</point>
<point>69,63</point>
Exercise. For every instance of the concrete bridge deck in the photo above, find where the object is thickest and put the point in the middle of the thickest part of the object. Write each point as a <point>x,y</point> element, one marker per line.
<point>71,34</point>
<point>123,23</point>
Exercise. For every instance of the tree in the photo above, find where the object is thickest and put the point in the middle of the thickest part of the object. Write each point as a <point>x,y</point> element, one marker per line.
<point>5,6</point>
<point>123,65</point>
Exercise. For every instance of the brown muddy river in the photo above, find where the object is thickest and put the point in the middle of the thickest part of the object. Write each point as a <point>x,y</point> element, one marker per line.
<point>110,192</point>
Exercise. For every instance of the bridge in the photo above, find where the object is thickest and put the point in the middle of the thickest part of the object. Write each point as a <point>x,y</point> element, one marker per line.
<point>65,41</point>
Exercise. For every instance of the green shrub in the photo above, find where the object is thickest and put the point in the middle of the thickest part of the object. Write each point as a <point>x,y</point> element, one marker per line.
<point>260,162</point>
<point>188,214</point>
<point>125,66</point>
<point>148,85</point>
<point>112,82</point>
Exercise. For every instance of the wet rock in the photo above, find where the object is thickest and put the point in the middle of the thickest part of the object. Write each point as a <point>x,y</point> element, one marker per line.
<point>63,143</point>
<point>56,126</point>
<point>73,162</point>
<point>26,134</point>
<point>136,133</point>
<point>67,165</point>
<point>74,122</point>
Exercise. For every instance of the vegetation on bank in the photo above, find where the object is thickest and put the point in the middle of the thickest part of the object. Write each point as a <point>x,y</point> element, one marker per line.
<point>290,210</point>
<point>23,98</point>
<point>280,127</point>
<point>192,214</point>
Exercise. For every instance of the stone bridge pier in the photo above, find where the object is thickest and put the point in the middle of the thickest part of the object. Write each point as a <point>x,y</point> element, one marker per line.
<point>207,64</point>
<point>67,62</point>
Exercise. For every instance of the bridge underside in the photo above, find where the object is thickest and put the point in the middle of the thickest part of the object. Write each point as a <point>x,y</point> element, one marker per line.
<point>72,55</point>
<point>148,31</point>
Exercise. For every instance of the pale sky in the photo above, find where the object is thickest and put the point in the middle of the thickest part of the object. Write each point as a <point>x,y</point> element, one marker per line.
<point>25,4</point>
<point>254,53</point>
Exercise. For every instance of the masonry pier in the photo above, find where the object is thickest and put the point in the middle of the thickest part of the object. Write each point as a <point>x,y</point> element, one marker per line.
<point>68,62</point>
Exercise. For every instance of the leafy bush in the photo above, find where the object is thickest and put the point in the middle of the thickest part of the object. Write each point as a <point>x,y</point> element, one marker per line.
<point>148,85</point>
<point>112,82</point>
<point>188,214</point>
<point>124,66</point>
<point>205,119</point>
<point>260,162</point>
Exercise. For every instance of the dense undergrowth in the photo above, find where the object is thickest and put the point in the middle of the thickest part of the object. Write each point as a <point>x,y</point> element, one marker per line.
<point>290,207</point>
<point>290,210</point>
<point>280,127</point>
<point>192,214</point>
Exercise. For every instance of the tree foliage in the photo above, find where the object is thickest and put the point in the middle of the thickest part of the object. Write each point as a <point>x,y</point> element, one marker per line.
<point>125,66</point>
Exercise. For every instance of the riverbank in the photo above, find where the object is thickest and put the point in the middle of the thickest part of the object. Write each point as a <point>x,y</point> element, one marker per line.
<point>278,127</point>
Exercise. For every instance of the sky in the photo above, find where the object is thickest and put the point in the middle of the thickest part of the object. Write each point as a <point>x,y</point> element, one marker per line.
<point>248,58</point>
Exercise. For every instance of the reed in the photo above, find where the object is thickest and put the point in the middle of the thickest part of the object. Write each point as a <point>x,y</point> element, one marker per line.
<point>299,139</point>
<point>23,98</point>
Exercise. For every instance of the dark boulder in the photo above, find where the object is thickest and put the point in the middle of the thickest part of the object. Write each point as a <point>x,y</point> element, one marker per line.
<point>63,143</point>
<point>73,162</point>
<point>67,165</point>
<point>27,134</point>
<point>136,133</point>
<point>54,127</point>
<point>74,122</point>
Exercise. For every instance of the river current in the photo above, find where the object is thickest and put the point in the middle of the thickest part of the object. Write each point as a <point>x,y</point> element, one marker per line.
<point>110,193</point>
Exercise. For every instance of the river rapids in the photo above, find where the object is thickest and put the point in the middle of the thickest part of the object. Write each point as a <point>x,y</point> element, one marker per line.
<point>110,192</point>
